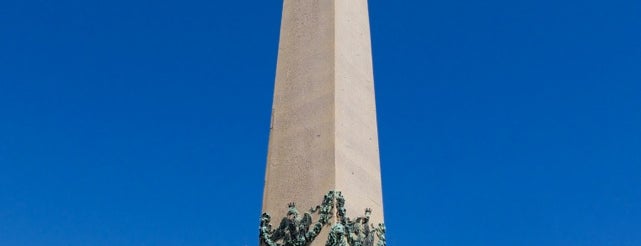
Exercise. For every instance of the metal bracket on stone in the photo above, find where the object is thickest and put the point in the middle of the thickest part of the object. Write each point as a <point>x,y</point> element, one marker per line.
<point>296,230</point>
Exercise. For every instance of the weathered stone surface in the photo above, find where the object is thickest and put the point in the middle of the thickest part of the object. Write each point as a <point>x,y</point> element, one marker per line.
<point>323,132</point>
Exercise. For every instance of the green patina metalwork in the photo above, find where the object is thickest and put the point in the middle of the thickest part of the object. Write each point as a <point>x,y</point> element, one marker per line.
<point>296,230</point>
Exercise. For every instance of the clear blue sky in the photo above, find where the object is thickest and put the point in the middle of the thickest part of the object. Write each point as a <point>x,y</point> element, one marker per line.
<point>139,122</point>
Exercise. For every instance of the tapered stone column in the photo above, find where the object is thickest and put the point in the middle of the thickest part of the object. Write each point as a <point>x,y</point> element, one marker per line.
<point>323,130</point>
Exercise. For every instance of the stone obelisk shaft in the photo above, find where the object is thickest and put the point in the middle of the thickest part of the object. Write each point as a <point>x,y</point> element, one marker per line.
<point>323,131</point>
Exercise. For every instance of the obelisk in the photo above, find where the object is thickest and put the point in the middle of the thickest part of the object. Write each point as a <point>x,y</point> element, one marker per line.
<point>323,145</point>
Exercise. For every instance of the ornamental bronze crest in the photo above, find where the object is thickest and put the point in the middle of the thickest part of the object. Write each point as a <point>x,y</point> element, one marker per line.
<point>297,230</point>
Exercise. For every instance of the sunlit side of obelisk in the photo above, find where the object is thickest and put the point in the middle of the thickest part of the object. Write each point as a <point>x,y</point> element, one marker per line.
<point>323,135</point>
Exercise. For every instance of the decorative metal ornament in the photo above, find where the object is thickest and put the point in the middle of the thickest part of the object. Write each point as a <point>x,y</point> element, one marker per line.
<point>296,230</point>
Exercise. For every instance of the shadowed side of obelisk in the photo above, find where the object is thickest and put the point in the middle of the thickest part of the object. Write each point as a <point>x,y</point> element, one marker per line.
<point>300,163</point>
